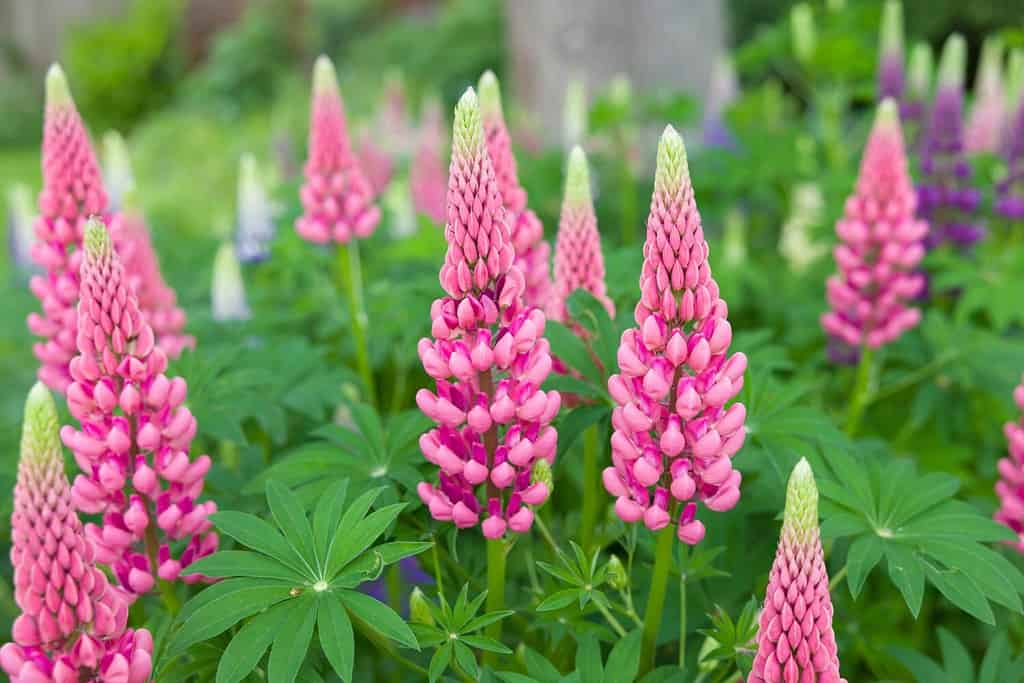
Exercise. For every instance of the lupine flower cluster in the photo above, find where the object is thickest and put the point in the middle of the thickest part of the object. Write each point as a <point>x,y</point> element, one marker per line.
<point>578,260</point>
<point>427,178</point>
<point>532,252</point>
<point>881,244</point>
<point>674,437</point>
<point>72,191</point>
<point>337,199</point>
<point>918,93</point>
<point>574,113</point>
<point>227,291</point>
<point>985,124</point>
<point>1010,487</point>
<point>72,626</point>
<point>795,641</point>
<point>945,198</point>
<point>1010,189</point>
<point>488,358</point>
<point>135,434</point>
<point>796,241</point>
<point>118,176</point>
<point>890,56</point>
<point>20,218</point>
<point>255,214</point>
<point>377,165</point>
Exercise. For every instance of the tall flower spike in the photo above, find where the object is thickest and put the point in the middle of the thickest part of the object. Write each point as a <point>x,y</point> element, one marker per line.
<point>723,89</point>
<point>427,177</point>
<point>337,199</point>
<point>117,169</point>
<point>488,358</point>
<point>1010,189</point>
<point>985,125</point>
<point>255,213</point>
<point>72,625</point>
<point>532,252</point>
<point>72,191</point>
<point>795,641</point>
<point>227,291</point>
<point>674,437</point>
<point>890,55</point>
<point>945,198</point>
<point>881,245</point>
<point>1010,487</point>
<point>914,106</point>
<point>20,219</point>
<point>574,113</point>
<point>578,260</point>
<point>135,435</point>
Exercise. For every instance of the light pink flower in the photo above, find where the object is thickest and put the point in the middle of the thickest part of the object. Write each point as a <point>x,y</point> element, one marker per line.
<point>488,358</point>
<point>532,252</point>
<point>337,199</point>
<point>377,165</point>
<point>881,245</point>
<point>988,113</point>
<point>674,437</point>
<point>578,260</point>
<point>135,434</point>
<point>1010,487</point>
<point>795,642</point>
<point>427,177</point>
<point>73,622</point>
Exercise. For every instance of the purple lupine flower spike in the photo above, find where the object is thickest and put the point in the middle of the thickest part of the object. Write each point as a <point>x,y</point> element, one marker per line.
<point>918,92</point>
<point>890,56</point>
<point>1010,189</point>
<point>985,124</point>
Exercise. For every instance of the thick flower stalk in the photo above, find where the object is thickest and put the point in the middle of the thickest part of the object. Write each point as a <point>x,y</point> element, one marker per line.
<point>158,302</point>
<point>427,176</point>
<point>890,56</point>
<point>255,214</point>
<point>337,199</point>
<point>72,191</point>
<point>795,641</point>
<point>674,437</point>
<point>20,220</point>
<point>1010,189</point>
<point>488,358</point>
<point>881,245</point>
<point>532,252</point>
<point>945,198</point>
<point>985,124</point>
<point>135,434</point>
<point>578,260</point>
<point>1010,487</point>
<point>117,169</point>
<point>72,626</point>
<point>918,93</point>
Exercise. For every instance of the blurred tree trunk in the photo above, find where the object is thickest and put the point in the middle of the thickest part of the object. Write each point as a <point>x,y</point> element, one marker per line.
<point>656,43</point>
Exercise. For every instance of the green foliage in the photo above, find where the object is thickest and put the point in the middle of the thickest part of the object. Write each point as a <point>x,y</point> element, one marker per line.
<point>997,665</point>
<point>730,645</point>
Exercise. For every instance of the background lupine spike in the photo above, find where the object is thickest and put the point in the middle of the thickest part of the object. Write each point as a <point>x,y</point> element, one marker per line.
<point>117,170</point>
<point>40,441</point>
<point>574,113</point>
<point>468,129</point>
<point>490,96</point>
<point>1010,189</point>
<point>20,217</point>
<point>58,94</point>
<point>673,169</point>
<point>920,69</point>
<point>795,641</point>
<point>255,212</point>
<point>953,62</point>
<point>986,124</point>
<point>325,78</point>
<point>1014,79</point>
<point>227,290</point>
<point>577,178</point>
<point>428,180</point>
<point>1010,487</point>
<point>890,65</point>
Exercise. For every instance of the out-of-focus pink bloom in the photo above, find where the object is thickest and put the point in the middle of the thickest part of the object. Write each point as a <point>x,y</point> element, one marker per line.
<point>674,437</point>
<point>488,358</point>
<point>881,244</point>
<point>375,162</point>
<point>337,199</point>
<point>118,176</point>
<point>1010,487</point>
<point>427,175</point>
<point>985,124</point>
<point>135,435</point>
<point>72,191</point>
<point>578,260</point>
<point>795,641</point>
<point>158,302</point>
<point>532,252</point>
<point>73,622</point>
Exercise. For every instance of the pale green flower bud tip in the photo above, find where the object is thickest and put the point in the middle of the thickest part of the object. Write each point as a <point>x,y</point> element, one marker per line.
<point>325,78</point>
<point>115,149</point>
<point>57,92</point>
<point>990,66</point>
<point>490,95</point>
<point>922,63</point>
<point>40,438</point>
<point>97,239</point>
<point>888,114</point>
<point>616,573</point>
<point>892,28</point>
<point>577,179</point>
<point>673,170</point>
<point>419,609</point>
<point>801,499</point>
<point>468,129</point>
<point>247,169</point>
<point>953,62</point>
<point>541,474</point>
<point>1015,77</point>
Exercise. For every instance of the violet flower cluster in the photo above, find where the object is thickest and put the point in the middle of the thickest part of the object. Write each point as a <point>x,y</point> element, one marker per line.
<point>73,623</point>
<point>488,358</point>
<point>337,199</point>
<point>674,437</point>
<point>881,245</point>
<point>945,198</point>
<point>1010,487</point>
<point>135,433</point>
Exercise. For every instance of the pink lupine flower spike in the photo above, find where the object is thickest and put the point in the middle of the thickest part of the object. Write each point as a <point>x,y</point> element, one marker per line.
<point>1010,487</point>
<point>488,358</point>
<point>795,641</point>
<point>133,444</point>
<point>72,626</point>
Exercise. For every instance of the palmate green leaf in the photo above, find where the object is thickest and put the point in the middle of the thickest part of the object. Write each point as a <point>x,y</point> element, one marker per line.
<point>370,427</point>
<point>336,637</point>
<point>997,665</point>
<point>588,658</point>
<point>378,617</point>
<point>439,662</point>
<point>246,649</point>
<point>242,563</point>
<point>485,643</point>
<point>327,517</point>
<point>567,346</point>
<point>603,333</point>
<point>291,518</point>
<point>559,600</point>
<point>907,574</point>
<point>351,541</point>
<point>292,640</point>
<point>466,660</point>
<point>864,554</point>
<point>576,422</point>
<point>253,532</point>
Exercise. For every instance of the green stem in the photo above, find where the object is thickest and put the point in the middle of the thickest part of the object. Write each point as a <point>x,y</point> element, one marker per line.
<point>398,389</point>
<point>351,275</point>
<point>861,392</point>
<point>656,599</point>
<point>437,568</point>
<point>394,582</point>
<point>837,579</point>
<point>682,620</point>
<point>167,594</point>
<point>591,495</point>
<point>545,533</point>
<point>495,590</point>
<point>912,378</point>
<point>612,621</point>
